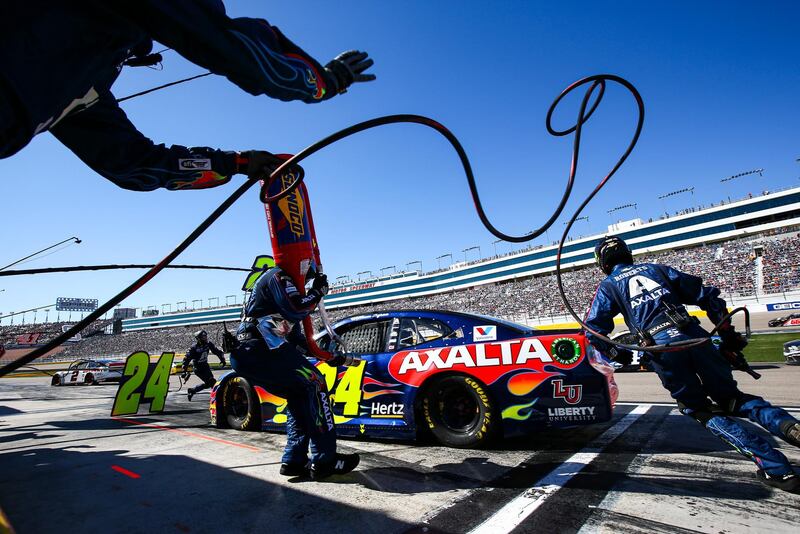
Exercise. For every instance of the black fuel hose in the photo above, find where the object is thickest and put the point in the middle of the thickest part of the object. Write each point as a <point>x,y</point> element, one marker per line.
<point>596,81</point>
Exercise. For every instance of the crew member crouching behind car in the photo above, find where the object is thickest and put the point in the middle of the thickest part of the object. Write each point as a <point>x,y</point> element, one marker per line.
<point>199,355</point>
<point>650,298</point>
<point>271,353</point>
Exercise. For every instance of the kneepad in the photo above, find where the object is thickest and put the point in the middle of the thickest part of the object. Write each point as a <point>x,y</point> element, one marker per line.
<point>703,415</point>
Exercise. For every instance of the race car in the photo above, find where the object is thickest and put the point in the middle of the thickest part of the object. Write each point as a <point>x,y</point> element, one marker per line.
<point>89,372</point>
<point>787,320</point>
<point>464,378</point>
<point>791,351</point>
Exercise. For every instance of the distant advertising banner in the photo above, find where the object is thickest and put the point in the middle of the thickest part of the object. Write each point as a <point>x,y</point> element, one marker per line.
<point>784,306</point>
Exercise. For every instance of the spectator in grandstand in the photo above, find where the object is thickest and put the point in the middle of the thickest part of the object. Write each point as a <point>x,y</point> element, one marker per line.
<point>271,352</point>
<point>198,356</point>
<point>58,61</point>
<point>650,298</point>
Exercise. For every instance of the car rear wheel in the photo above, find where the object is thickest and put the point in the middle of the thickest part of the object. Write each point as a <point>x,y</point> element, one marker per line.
<point>89,379</point>
<point>240,405</point>
<point>56,381</point>
<point>459,412</point>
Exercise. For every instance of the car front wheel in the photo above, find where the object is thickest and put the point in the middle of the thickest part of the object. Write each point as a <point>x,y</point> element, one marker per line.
<point>459,412</point>
<point>56,381</point>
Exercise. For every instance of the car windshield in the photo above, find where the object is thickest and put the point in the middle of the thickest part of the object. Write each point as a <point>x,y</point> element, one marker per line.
<point>508,324</point>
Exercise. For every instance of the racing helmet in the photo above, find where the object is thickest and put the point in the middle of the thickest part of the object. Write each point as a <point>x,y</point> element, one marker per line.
<point>611,251</point>
<point>201,335</point>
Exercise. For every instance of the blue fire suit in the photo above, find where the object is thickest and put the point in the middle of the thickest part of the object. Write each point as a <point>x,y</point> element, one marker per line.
<point>639,292</point>
<point>270,355</point>
<point>198,354</point>
<point>59,59</point>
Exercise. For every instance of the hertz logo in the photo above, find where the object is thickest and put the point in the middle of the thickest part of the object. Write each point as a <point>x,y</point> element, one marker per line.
<point>292,207</point>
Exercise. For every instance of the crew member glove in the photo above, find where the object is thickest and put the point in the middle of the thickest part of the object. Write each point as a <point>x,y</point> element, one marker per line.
<point>337,361</point>
<point>622,356</point>
<point>347,68</point>
<point>320,284</point>
<point>258,163</point>
<point>223,362</point>
<point>185,376</point>
<point>732,341</point>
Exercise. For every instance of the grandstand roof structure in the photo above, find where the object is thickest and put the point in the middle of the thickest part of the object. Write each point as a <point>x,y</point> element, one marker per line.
<point>770,211</point>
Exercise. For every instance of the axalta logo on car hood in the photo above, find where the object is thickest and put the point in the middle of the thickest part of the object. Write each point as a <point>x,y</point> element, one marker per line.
<point>487,361</point>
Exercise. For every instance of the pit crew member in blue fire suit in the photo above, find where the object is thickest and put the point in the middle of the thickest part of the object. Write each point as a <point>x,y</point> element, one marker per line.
<point>271,353</point>
<point>651,299</point>
<point>198,356</point>
<point>59,59</point>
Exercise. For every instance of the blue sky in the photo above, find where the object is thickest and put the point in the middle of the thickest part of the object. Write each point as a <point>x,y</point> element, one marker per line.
<point>720,82</point>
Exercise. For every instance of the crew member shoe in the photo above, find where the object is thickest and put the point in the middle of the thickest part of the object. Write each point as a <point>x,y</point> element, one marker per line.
<point>344,463</point>
<point>294,470</point>
<point>790,482</point>
<point>791,433</point>
<point>190,393</point>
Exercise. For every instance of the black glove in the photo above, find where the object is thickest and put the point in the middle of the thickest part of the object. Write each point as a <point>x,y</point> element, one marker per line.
<point>185,375</point>
<point>346,69</point>
<point>732,341</point>
<point>259,163</point>
<point>622,356</point>
<point>337,361</point>
<point>223,363</point>
<point>320,284</point>
<point>229,342</point>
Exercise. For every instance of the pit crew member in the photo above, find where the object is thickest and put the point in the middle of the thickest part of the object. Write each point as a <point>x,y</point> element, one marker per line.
<point>58,61</point>
<point>271,353</point>
<point>651,299</point>
<point>198,355</point>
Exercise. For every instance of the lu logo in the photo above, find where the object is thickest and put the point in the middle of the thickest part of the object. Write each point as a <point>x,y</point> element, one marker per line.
<point>572,394</point>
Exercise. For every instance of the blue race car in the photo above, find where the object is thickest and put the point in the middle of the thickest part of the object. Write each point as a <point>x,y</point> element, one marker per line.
<point>465,378</point>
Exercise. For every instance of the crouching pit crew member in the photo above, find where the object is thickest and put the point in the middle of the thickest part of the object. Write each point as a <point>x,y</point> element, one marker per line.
<point>271,353</point>
<point>651,299</point>
<point>198,354</point>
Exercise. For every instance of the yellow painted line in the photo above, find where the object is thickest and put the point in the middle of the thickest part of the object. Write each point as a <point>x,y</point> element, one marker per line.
<point>617,320</point>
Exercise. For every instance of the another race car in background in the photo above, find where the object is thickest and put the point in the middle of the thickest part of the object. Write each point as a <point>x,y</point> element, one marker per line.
<point>465,378</point>
<point>89,372</point>
<point>791,351</point>
<point>787,320</point>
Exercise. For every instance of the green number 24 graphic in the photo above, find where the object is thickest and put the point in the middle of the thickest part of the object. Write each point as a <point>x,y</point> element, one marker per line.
<point>143,380</point>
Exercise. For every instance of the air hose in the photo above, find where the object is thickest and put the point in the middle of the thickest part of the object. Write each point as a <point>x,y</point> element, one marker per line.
<point>595,82</point>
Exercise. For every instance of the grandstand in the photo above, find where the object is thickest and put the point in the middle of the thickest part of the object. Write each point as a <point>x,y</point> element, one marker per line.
<point>746,248</point>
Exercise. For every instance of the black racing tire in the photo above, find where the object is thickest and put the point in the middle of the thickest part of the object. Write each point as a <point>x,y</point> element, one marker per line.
<point>55,381</point>
<point>241,407</point>
<point>89,379</point>
<point>459,412</point>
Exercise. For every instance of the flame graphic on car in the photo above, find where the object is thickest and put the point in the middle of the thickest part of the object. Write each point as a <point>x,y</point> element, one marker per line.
<point>517,411</point>
<point>523,383</point>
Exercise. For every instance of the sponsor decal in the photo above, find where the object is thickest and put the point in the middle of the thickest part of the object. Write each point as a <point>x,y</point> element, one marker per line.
<point>565,350</point>
<point>583,413</point>
<point>392,410</point>
<point>196,164</point>
<point>327,410</point>
<point>792,322</point>
<point>572,394</point>
<point>784,306</point>
<point>629,273</point>
<point>642,289</point>
<point>484,333</point>
<point>486,361</point>
<point>292,207</point>
<point>351,288</point>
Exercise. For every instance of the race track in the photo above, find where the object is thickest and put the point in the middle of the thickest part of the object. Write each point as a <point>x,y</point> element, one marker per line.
<point>68,466</point>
